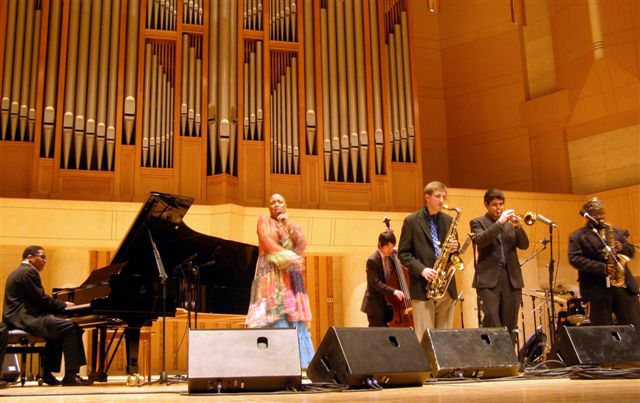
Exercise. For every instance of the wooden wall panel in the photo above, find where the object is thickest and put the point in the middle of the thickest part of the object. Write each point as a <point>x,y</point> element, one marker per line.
<point>190,167</point>
<point>251,180</point>
<point>16,165</point>
<point>84,185</point>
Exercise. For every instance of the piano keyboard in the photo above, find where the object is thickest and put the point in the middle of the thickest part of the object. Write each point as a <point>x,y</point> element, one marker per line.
<point>77,307</point>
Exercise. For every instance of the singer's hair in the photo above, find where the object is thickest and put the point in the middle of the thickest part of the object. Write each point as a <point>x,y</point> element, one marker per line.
<point>593,204</point>
<point>491,194</point>
<point>433,186</point>
<point>31,250</point>
<point>386,237</point>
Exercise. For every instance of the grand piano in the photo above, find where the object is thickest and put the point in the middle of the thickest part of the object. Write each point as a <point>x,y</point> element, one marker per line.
<point>160,265</point>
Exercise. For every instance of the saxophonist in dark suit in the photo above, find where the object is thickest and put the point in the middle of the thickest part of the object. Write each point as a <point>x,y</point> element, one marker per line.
<point>380,266</point>
<point>498,276</point>
<point>423,232</point>
<point>586,254</point>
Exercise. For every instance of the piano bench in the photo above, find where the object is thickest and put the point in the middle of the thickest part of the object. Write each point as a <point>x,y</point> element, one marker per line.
<point>23,343</point>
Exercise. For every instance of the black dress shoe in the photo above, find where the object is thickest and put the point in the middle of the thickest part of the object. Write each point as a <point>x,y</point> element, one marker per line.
<point>75,380</point>
<point>50,380</point>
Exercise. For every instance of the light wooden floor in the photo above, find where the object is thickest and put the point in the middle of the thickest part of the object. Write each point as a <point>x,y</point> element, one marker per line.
<point>494,391</point>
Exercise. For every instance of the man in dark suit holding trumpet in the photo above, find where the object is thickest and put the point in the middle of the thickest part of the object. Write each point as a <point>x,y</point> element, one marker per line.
<point>498,276</point>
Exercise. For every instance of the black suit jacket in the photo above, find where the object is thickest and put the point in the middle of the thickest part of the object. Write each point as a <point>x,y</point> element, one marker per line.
<point>488,268</point>
<point>26,303</point>
<point>374,302</point>
<point>416,250</point>
<point>585,255</point>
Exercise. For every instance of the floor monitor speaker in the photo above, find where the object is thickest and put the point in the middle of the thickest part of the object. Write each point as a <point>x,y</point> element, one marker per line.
<point>232,360</point>
<point>598,345</point>
<point>360,357</point>
<point>473,353</point>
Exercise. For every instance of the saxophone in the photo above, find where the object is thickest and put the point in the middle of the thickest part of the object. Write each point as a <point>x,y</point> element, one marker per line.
<point>447,263</point>
<point>619,261</point>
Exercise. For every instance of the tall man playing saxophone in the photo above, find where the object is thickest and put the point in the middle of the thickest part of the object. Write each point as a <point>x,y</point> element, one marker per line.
<point>423,232</point>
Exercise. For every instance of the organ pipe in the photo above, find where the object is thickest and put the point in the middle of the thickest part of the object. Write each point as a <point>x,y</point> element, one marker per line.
<point>16,78</point>
<point>309,79</point>
<point>406,62</point>
<point>212,107</point>
<point>131,70</point>
<point>326,129</point>
<point>51,76</point>
<point>5,103</point>
<point>376,90</point>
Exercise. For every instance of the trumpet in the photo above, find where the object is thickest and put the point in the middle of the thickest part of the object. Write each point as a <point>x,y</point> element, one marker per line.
<point>528,218</point>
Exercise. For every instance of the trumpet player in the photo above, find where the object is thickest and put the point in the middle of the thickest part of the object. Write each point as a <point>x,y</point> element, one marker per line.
<point>587,255</point>
<point>498,276</point>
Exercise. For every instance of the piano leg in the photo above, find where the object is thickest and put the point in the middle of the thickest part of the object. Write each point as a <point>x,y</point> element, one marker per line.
<point>98,370</point>
<point>132,341</point>
<point>91,368</point>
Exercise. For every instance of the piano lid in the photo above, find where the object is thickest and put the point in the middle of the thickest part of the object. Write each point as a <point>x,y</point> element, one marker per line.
<point>228,263</point>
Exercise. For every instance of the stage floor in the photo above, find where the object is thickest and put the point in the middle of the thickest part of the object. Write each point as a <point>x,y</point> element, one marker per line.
<point>495,391</point>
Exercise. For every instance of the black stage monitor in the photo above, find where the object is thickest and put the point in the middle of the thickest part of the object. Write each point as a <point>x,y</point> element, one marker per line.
<point>363,357</point>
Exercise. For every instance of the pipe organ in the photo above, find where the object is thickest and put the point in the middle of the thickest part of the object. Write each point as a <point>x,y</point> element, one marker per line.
<point>402,133</point>
<point>253,72</point>
<point>157,119</point>
<point>285,150</point>
<point>252,14</point>
<point>119,97</point>
<point>190,115</point>
<point>162,14</point>
<point>17,106</point>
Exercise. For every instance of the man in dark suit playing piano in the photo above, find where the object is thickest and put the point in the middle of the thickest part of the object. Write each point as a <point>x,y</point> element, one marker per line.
<point>29,308</point>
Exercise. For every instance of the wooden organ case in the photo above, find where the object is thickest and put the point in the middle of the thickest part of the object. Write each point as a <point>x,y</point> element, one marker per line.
<point>225,101</point>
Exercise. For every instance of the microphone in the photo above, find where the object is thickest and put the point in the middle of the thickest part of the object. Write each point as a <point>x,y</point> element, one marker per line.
<point>588,217</point>
<point>187,260</point>
<point>544,241</point>
<point>207,264</point>
<point>545,220</point>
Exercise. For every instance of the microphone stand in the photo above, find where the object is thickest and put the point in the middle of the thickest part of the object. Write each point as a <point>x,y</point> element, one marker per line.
<point>460,298</point>
<point>195,270</point>
<point>479,303</point>
<point>552,318</point>
<point>544,246</point>
<point>163,281</point>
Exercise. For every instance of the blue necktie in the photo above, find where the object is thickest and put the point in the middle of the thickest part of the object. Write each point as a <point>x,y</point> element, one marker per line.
<point>434,237</point>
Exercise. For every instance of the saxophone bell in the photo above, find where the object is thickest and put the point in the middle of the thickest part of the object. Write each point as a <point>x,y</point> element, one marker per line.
<point>617,260</point>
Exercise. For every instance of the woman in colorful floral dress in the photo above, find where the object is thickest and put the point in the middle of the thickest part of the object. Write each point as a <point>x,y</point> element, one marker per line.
<point>278,295</point>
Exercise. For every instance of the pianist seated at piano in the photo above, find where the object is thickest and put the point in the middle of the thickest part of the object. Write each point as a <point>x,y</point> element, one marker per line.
<point>278,295</point>
<point>27,307</point>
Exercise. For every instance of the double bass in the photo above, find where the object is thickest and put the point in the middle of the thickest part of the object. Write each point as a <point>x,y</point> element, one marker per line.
<point>399,279</point>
